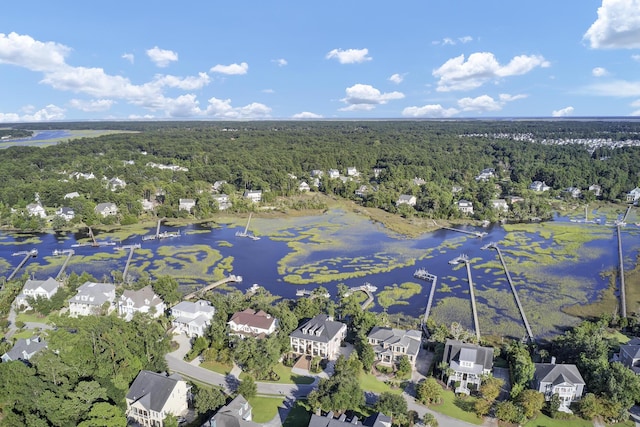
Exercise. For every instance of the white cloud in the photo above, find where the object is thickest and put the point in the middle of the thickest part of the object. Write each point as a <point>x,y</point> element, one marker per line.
<point>617,26</point>
<point>481,67</point>
<point>232,69</point>
<point>429,111</point>
<point>485,103</point>
<point>599,72</point>
<point>280,62</point>
<point>621,88</point>
<point>563,112</point>
<point>92,105</point>
<point>366,97</point>
<point>465,39</point>
<point>448,41</point>
<point>184,83</point>
<point>223,109</point>
<point>269,91</point>
<point>129,57</point>
<point>49,113</point>
<point>24,51</point>
<point>350,56</point>
<point>306,115</point>
<point>635,57</point>
<point>397,78</point>
<point>161,57</point>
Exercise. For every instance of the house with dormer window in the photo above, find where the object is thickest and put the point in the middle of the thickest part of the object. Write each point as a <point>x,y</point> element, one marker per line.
<point>24,349</point>
<point>465,206</point>
<point>629,355</point>
<point>334,173</point>
<point>390,344</point>
<point>469,363</point>
<point>152,396</point>
<point>92,298</point>
<point>106,209</point>
<point>561,379</point>
<point>141,301</point>
<point>37,289</point>
<point>237,413</point>
<point>320,336</point>
<point>539,186</point>
<point>252,323</point>
<point>192,318</point>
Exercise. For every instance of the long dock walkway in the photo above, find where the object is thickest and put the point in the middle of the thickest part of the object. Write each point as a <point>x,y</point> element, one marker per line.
<point>423,274</point>
<point>231,278</point>
<point>474,310</point>
<point>131,248</point>
<point>513,289</point>
<point>69,253</point>
<point>368,289</point>
<point>27,255</point>
<point>623,297</point>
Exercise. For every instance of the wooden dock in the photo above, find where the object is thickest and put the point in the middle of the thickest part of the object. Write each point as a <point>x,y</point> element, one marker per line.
<point>474,310</point>
<point>623,297</point>
<point>478,234</point>
<point>368,289</point>
<point>230,279</point>
<point>69,253</point>
<point>131,248</point>
<point>513,289</point>
<point>311,294</point>
<point>27,255</point>
<point>423,274</point>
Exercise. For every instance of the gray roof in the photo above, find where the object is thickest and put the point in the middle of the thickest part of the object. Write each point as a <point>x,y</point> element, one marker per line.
<point>200,306</point>
<point>94,293</point>
<point>48,285</point>
<point>232,415</point>
<point>632,350</point>
<point>142,297</point>
<point>24,348</point>
<point>557,374</point>
<point>152,390</point>
<point>390,336</point>
<point>321,329</point>
<point>104,206</point>
<point>457,351</point>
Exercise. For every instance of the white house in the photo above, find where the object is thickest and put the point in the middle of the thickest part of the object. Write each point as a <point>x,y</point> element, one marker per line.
<point>106,209</point>
<point>320,336</point>
<point>141,301</point>
<point>91,298</point>
<point>334,173</point>
<point>37,289</point>
<point>539,186</point>
<point>574,192</point>
<point>66,213</point>
<point>72,195</point>
<point>486,174</point>
<point>222,200</point>
<point>418,181</point>
<point>500,205</point>
<point>633,195</point>
<point>468,362</point>
<point>186,204</point>
<point>253,195</point>
<point>116,183</point>
<point>406,199</point>
<point>596,190</point>
<point>390,344</point>
<point>192,318</point>
<point>465,206</point>
<point>36,209</point>
<point>352,171</point>
<point>303,186</point>
<point>153,396</point>
<point>362,191</point>
<point>252,323</point>
<point>237,413</point>
<point>563,380</point>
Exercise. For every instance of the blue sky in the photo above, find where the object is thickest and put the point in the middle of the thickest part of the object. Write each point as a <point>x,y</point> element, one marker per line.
<point>254,60</point>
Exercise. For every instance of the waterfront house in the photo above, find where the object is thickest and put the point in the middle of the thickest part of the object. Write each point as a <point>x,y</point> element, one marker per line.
<point>418,181</point>
<point>72,195</point>
<point>66,213</point>
<point>406,199</point>
<point>92,298</point>
<point>80,175</point>
<point>469,363</point>
<point>596,190</point>
<point>37,289</point>
<point>253,323</point>
<point>539,186</point>
<point>192,318</point>
<point>218,185</point>
<point>320,336</point>
<point>574,192</point>
<point>237,413</point>
<point>317,173</point>
<point>561,379</point>
<point>141,301</point>
<point>633,195</point>
<point>303,186</point>
<point>106,209</point>
<point>222,200</point>
<point>465,206</point>
<point>153,396</point>
<point>24,349</point>
<point>629,355</point>
<point>390,344</point>
<point>500,205</point>
<point>186,204</point>
<point>334,173</point>
<point>147,205</point>
<point>36,209</point>
<point>253,195</point>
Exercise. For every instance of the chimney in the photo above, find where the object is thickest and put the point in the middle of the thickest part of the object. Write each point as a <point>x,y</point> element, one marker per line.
<point>553,360</point>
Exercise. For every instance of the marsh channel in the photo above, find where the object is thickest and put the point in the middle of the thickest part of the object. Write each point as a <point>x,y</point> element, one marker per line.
<point>558,267</point>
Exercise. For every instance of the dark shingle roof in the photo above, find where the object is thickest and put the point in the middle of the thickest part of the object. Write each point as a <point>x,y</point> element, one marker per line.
<point>557,374</point>
<point>457,350</point>
<point>320,329</point>
<point>152,390</point>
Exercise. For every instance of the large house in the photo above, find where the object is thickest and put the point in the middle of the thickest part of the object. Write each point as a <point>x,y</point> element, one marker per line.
<point>66,213</point>
<point>116,183</point>
<point>406,199</point>
<point>237,413</point>
<point>486,174</point>
<point>153,396</point>
<point>390,344</point>
<point>252,323</point>
<point>141,301</point>
<point>24,349</point>
<point>192,318</point>
<point>376,420</point>
<point>91,298</point>
<point>469,362</point>
<point>500,205</point>
<point>253,195</point>
<point>320,336</point>
<point>539,186</point>
<point>629,355</point>
<point>186,204</point>
<point>633,195</point>
<point>222,200</point>
<point>106,209</point>
<point>37,289</point>
<point>465,206</point>
<point>36,209</point>
<point>561,379</point>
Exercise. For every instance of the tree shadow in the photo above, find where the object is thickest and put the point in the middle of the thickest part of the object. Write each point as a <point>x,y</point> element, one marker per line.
<point>231,382</point>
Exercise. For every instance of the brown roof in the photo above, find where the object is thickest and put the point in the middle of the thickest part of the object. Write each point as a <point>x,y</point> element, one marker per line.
<point>256,319</point>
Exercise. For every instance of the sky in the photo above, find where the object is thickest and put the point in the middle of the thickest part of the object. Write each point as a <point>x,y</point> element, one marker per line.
<point>69,60</point>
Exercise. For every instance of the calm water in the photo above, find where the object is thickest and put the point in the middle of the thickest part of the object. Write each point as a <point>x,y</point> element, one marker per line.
<point>257,262</point>
<point>45,135</point>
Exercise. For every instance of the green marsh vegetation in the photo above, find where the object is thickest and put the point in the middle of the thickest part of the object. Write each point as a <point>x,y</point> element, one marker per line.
<point>398,294</point>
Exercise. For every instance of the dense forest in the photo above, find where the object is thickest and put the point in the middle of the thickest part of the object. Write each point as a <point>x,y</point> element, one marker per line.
<point>276,156</point>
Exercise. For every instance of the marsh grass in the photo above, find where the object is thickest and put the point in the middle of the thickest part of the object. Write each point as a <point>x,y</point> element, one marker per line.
<point>397,295</point>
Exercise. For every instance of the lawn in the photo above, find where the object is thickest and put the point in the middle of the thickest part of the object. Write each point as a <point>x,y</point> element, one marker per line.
<point>265,408</point>
<point>459,408</point>
<point>32,317</point>
<point>299,415</point>
<point>286,376</point>
<point>543,421</point>
<point>218,367</point>
<point>369,382</point>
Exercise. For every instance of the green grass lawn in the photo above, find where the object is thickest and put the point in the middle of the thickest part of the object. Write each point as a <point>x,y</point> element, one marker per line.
<point>286,376</point>
<point>543,421</point>
<point>369,382</point>
<point>32,317</point>
<point>459,408</point>
<point>265,408</point>
<point>299,415</point>
<point>218,367</point>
